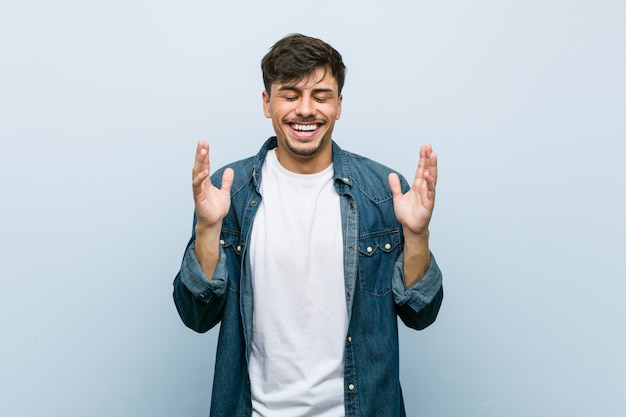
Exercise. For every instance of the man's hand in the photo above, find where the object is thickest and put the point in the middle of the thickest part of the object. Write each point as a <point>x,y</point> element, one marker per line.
<point>415,208</point>
<point>211,203</point>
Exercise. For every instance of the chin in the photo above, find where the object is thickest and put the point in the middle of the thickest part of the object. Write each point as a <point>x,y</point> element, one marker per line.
<point>307,149</point>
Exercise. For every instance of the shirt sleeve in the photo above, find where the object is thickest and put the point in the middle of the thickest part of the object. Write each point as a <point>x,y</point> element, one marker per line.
<point>194,278</point>
<point>200,301</point>
<point>419,304</point>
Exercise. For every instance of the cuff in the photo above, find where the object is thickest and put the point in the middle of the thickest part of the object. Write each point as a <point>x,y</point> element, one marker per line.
<point>423,291</point>
<point>196,281</point>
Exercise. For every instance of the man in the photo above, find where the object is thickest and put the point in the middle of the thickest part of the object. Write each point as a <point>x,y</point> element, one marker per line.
<point>307,254</point>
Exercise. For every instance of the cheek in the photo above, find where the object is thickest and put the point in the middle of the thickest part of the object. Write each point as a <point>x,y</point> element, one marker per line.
<point>278,111</point>
<point>338,112</point>
<point>277,124</point>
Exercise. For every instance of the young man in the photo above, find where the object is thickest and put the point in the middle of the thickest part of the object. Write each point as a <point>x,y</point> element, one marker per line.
<point>307,254</point>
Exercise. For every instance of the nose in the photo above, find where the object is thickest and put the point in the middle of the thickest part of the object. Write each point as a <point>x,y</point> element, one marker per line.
<point>306,107</point>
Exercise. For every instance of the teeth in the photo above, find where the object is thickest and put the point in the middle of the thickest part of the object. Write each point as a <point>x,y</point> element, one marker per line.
<point>306,128</point>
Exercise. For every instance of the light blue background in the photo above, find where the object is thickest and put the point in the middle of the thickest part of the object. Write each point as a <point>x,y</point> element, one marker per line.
<point>101,105</point>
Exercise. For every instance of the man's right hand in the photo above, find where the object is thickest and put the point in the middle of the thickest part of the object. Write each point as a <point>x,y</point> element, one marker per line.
<point>212,205</point>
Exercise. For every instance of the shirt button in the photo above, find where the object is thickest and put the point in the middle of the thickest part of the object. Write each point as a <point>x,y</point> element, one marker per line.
<point>238,248</point>
<point>222,242</point>
<point>387,246</point>
<point>369,249</point>
<point>350,248</point>
<point>351,387</point>
<point>253,203</point>
<point>350,339</point>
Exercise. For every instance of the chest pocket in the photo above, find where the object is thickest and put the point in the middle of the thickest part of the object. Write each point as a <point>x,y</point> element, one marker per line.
<point>231,243</point>
<point>378,253</point>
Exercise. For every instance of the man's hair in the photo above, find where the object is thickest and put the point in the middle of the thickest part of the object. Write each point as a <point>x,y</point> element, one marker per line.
<point>296,57</point>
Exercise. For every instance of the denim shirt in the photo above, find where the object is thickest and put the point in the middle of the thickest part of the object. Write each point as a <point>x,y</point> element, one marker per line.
<point>375,290</point>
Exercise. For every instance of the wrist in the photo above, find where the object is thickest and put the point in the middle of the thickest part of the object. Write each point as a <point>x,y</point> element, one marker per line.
<point>416,238</point>
<point>416,256</point>
<point>208,232</point>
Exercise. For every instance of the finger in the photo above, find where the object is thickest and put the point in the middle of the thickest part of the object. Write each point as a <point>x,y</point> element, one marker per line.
<point>394,184</point>
<point>428,163</point>
<point>198,181</point>
<point>432,168</point>
<point>421,166</point>
<point>227,179</point>
<point>430,176</point>
<point>426,152</point>
<point>201,162</point>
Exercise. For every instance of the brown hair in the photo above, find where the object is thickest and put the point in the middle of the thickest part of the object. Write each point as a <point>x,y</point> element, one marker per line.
<point>296,56</point>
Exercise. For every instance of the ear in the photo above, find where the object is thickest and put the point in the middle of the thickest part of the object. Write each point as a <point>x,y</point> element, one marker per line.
<point>339,106</point>
<point>266,105</point>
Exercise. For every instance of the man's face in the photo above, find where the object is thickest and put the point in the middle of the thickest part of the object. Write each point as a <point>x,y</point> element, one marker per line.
<point>303,113</point>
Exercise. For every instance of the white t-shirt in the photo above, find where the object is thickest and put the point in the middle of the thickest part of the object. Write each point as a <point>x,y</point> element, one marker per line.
<point>300,318</point>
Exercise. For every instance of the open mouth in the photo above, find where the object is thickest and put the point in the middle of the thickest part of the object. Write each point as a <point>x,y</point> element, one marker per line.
<point>304,128</point>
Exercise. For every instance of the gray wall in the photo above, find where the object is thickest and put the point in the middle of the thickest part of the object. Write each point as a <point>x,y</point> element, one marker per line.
<point>101,104</point>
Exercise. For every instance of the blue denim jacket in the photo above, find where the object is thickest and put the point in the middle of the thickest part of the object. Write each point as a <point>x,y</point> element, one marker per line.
<point>375,291</point>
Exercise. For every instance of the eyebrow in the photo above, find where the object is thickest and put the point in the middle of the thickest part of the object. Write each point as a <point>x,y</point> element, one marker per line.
<point>299,90</point>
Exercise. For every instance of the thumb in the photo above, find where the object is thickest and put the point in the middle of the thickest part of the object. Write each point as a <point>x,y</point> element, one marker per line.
<point>394,184</point>
<point>227,179</point>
